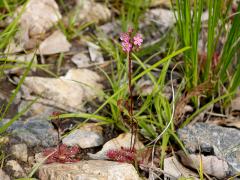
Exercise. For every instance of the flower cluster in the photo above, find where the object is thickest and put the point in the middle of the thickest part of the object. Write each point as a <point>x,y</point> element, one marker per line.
<point>124,155</point>
<point>64,154</point>
<point>128,42</point>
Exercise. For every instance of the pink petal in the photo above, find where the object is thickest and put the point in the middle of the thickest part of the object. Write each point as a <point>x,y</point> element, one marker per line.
<point>122,38</point>
<point>121,34</point>
<point>123,43</point>
<point>124,49</point>
<point>135,42</point>
<point>128,49</point>
<point>140,40</point>
<point>139,44</point>
<point>130,45</point>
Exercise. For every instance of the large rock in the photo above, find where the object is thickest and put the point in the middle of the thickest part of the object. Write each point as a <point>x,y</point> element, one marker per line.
<point>37,132</point>
<point>39,16</point>
<point>83,139</point>
<point>214,140</point>
<point>88,170</point>
<point>65,91</point>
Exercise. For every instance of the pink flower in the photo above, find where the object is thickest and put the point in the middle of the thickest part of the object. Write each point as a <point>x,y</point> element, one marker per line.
<point>126,46</point>
<point>137,40</point>
<point>130,30</point>
<point>124,36</point>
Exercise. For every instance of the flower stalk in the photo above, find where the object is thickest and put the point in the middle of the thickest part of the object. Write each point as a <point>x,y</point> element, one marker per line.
<point>128,44</point>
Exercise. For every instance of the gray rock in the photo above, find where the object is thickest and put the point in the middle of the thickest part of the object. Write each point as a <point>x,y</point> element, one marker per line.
<point>83,139</point>
<point>88,170</point>
<point>214,140</point>
<point>80,60</point>
<point>20,151</point>
<point>39,132</point>
<point>95,54</point>
<point>111,29</point>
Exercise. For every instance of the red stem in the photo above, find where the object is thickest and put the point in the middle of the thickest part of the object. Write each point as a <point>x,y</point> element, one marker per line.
<point>131,100</point>
<point>58,137</point>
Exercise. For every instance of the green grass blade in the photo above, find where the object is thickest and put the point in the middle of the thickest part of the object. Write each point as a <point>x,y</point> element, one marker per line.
<point>7,6</point>
<point>81,115</point>
<point>60,62</point>
<point>11,29</point>
<point>18,115</point>
<point>17,88</point>
<point>133,80</point>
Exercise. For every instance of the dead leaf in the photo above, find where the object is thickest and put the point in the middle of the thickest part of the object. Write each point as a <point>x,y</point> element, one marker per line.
<point>147,157</point>
<point>211,164</point>
<point>235,123</point>
<point>173,167</point>
<point>236,104</point>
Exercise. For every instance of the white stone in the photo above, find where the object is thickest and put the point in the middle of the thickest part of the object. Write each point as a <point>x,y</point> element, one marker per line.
<point>20,151</point>
<point>83,139</point>
<point>55,43</point>
<point>31,161</point>
<point>91,10</point>
<point>88,170</point>
<point>3,175</point>
<point>17,168</point>
<point>65,91</point>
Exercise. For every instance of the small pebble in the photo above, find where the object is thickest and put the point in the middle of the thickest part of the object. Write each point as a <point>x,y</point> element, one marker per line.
<point>20,151</point>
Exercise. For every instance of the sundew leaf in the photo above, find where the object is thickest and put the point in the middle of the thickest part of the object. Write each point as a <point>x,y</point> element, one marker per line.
<point>39,164</point>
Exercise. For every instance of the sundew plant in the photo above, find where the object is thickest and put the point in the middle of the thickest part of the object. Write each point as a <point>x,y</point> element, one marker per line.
<point>128,46</point>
